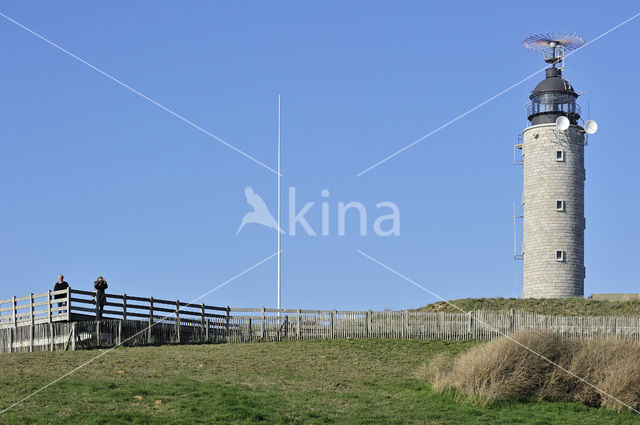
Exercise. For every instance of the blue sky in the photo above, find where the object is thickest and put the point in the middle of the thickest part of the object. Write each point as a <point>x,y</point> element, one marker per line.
<point>96,180</point>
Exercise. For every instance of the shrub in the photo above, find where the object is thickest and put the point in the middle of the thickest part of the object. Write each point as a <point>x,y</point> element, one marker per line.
<point>611,366</point>
<point>505,370</point>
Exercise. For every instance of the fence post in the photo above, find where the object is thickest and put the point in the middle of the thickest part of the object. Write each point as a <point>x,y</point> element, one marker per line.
<point>227,322</point>
<point>333,323</point>
<point>366,324</point>
<point>511,321</point>
<point>262,326</point>
<point>51,336</point>
<point>150,320</point>
<point>97,303</point>
<point>298,324</point>
<point>178,321</point>
<point>68,299</point>
<point>369,324</point>
<point>73,336</point>
<point>405,323</point>
<point>202,322</point>
<point>206,331</point>
<point>10,339</point>
<point>49,306</point>
<point>15,311</point>
<point>124,306</point>
<point>471,325</point>
<point>98,333</point>
<point>286,327</point>
<point>31,327</point>
<point>119,339</point>
<point>31,309</point>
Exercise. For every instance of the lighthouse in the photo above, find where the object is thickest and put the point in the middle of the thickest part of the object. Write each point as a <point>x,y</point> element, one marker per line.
<point>553,147</point>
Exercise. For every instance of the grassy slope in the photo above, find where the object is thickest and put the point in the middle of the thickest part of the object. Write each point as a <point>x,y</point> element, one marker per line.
<point>559,307</point>
<point>310,382</point>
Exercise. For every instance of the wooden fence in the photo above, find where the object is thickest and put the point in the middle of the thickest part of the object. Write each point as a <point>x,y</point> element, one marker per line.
<point>32,324</point>
<point>34,309</point>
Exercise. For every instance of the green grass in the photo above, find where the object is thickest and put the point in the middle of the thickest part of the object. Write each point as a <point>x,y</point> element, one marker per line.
<point>558,307</point>
<point>307,382</point>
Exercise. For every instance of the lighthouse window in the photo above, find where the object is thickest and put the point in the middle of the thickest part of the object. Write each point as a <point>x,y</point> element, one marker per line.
<point>560,156</point>
<point>553,102</point>
<point>559,255</point>
<point>560,205</point>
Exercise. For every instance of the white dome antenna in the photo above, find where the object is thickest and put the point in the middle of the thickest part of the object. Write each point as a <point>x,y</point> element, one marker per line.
<point>563,123</point>
<point>590,127</point>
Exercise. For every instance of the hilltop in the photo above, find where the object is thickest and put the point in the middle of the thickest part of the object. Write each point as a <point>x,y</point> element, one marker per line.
<point>291,382</point>
<point>558,307</point>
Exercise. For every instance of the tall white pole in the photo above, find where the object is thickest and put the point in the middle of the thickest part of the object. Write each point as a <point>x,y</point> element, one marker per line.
<point>279,227</point>
<point>515,255</point>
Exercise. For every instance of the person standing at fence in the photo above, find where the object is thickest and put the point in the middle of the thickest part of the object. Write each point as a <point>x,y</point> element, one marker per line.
<point>100,285</point>
<point>59,286</point>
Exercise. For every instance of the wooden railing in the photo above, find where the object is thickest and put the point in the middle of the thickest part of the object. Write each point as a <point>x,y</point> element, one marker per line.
<point>150,310</point>
<point>133,320</point>
<point>35,308</point>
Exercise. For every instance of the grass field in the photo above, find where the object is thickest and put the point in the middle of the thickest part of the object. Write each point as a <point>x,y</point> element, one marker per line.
<point>306,382</point>
<point>547,306</point>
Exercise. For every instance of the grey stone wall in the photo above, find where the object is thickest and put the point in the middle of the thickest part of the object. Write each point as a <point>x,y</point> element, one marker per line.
<point>547,180</point>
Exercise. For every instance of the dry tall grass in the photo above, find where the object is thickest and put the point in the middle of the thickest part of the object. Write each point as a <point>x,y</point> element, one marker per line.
<point>504,370</point>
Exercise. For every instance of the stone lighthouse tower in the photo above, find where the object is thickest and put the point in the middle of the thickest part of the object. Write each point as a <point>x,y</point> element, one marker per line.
<point>554,175</point>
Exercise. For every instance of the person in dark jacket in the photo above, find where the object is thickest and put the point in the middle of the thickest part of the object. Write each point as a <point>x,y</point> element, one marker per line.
<point>59,286</point>
<point>100,285</point>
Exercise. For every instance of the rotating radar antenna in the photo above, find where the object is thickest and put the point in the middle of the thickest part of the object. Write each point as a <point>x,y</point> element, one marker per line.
<point>553,46</point>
